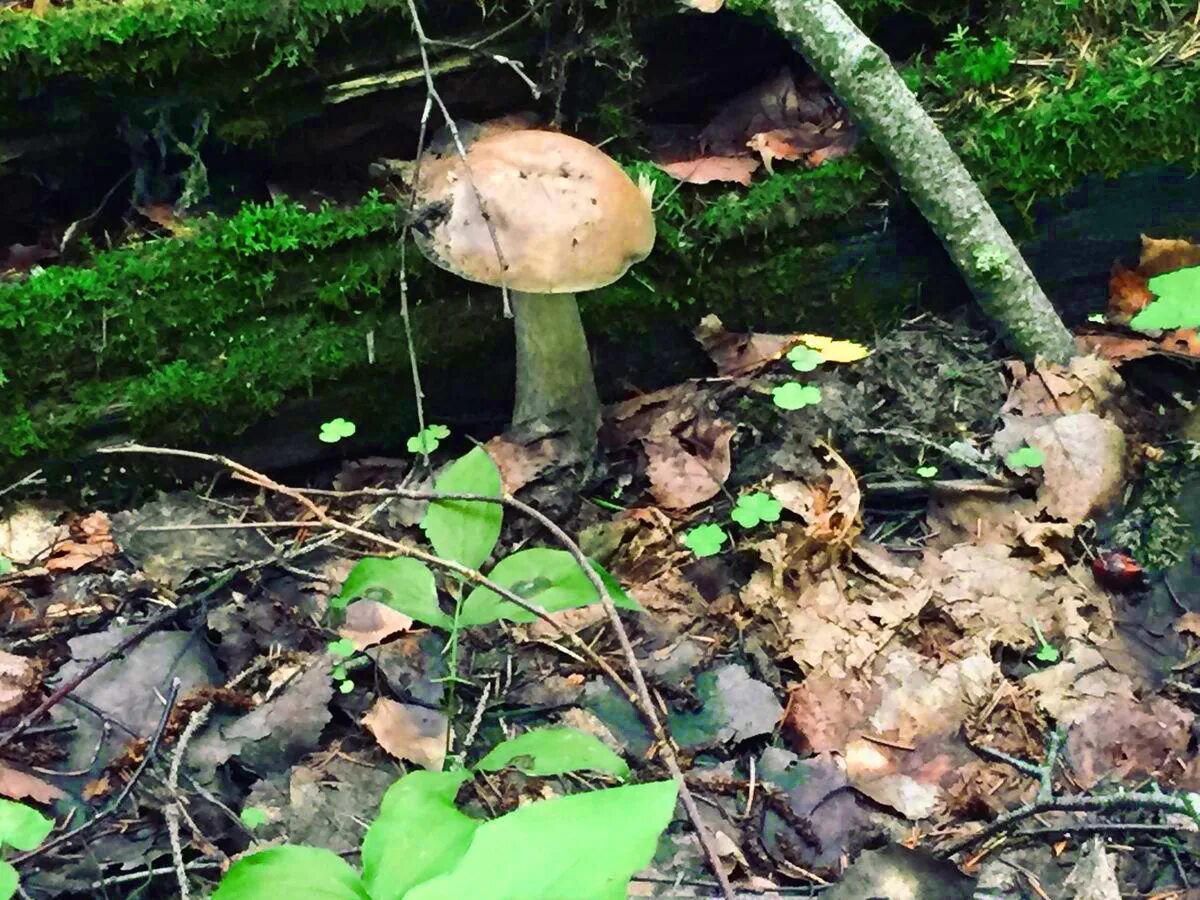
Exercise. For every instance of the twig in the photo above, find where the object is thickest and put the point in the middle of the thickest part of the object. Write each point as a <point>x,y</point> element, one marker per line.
<point>431,93</point>
<point>115,653</point>
<point>145,874</point>
<point>640,699</point>
<point>112,808</point>
<point>1070,803</point>
<point>31,478</point>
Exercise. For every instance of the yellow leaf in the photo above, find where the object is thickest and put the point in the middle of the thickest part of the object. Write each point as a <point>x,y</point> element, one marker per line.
<point>834,350</point>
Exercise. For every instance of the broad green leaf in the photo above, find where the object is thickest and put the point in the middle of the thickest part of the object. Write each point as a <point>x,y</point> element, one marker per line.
<point>553,751</point>
<point>582,847</point>
<point>466,531</point>
<point>9,879</point>
<point>402,583</point>
<point>22,826</point>
<point>291,871</point>
<point>547,578</point>
<point>419,834</point>
<point>1178,303</point>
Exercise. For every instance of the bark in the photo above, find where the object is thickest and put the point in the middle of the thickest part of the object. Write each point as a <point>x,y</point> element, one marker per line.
<point>880,102</point>
<point>554,366</point>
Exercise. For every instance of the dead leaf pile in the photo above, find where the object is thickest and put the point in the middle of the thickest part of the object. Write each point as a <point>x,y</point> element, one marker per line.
<point>776,120</point>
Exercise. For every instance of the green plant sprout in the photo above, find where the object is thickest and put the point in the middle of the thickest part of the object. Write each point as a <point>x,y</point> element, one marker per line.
<point>1046,652</point>
<point>466,531</point>
<point>22,828</point>
<point>1178,303</point>
<point>1097,318</point>
<point>426,440</point>
<point>804,359</point>
<point>336,429</point>
<point>253,817</point>
<point>341,647</point>
<point>1025,458</point>
<point>754,508</point>
<point>6,565</point>
<point>795,395</point>
<point>927,471</point>
<point>705,540</point>
<point>421,846</point>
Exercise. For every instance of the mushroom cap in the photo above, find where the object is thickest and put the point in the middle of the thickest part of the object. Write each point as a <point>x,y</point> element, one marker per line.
<point>566,216</point>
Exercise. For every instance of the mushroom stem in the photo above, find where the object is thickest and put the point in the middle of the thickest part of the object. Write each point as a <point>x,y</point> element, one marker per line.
<point>554,367</point>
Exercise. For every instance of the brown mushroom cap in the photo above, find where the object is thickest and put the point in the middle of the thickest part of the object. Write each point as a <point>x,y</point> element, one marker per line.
<point>566,216</point>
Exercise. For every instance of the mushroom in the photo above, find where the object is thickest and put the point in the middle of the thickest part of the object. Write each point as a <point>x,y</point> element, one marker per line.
<point>566,218</point>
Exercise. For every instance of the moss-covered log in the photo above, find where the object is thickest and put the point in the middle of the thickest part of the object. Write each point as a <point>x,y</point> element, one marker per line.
<point>199,336</point>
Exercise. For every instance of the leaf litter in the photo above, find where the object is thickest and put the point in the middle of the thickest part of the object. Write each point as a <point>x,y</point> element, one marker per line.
<point>855,663</point>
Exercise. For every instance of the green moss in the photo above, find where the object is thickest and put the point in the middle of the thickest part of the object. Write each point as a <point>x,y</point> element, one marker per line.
<point>144,39</point>
<point>202,319</point>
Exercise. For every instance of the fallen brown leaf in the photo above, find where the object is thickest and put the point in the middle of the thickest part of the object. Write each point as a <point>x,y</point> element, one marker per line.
<point>369,622</point>
<point>16,785</point>
<point>411,732</point>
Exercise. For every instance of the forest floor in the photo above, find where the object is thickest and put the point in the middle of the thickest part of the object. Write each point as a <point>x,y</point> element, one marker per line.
<point>891,611</point>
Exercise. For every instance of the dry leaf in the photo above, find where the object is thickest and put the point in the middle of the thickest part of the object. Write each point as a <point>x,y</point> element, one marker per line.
<point>411,732</point>
<point>369,622</point>
<point>704,6</point>
<point>1162,255</point>
<point>91,540</point>
<point>16,785</point>
<point>1083,465</point>
<point>707,169</point>
<point>18,676</point>
<point>1128,295</point>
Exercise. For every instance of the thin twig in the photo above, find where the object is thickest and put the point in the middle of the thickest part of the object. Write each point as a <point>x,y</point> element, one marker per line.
<point>111,809</point>
<point>431,93</point>
<point>115,653</point>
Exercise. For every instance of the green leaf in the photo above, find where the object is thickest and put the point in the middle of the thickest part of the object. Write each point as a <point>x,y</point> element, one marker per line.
<point>22,826</point>
<point>336,429</point>
<point>341,647</point>
<point>754,508</point>
<point>1025,458</point>
<point>551,579</point>
<point>466,531</point>
<point>553,751</point>
<point>927,471</point>
<point>253,817</point>
<point>705,540</point>
<point>291,871</point>
<point>401,582</point>
<point>418,835</point>
<point>1097,318</point>
<point>1178,303</point>
<point>346,686</point>
<point>6,565</point>
<point>9,879</point>
<point>583,846</point>
<point>795,395</point>
<point>427,439</point>
<point>804,359</point>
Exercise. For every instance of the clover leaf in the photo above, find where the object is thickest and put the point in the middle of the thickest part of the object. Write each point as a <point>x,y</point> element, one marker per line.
<point>336,429</point>
<point>253,817</point>
<point>805,359</point>
<point>705,540</point>
<point>795,395</point>
<point>427,439</point>
<point>927,471</point>
<point>754,508</point>
<point>1025,458</point>
<point>341,647</point>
